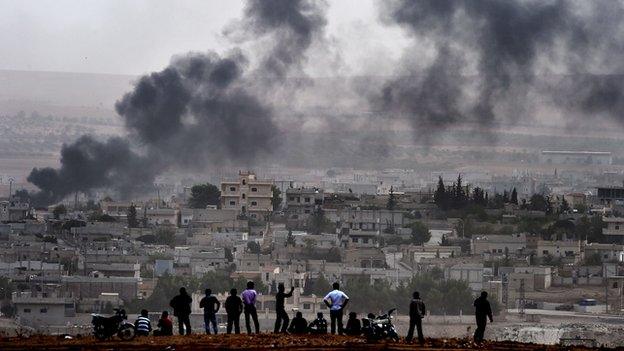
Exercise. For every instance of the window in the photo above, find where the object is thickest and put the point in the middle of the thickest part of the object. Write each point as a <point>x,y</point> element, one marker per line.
<point>254,190</point>
<point>232,188</point>
<point>254,203</point>
<point>43,310</point>
<point>617,227</point>
<point>307,211</point>
<point>291,198</point>
<point>306,306</point>
<point>307,199</point>
<point>254,216</point>
<point>244,181</point>
<point>26,310</point>
<point>545,252</point>
<point>232,203</point>
<point>243,196</point>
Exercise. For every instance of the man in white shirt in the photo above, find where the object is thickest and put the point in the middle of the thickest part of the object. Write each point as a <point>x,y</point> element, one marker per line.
<point>336,300</point>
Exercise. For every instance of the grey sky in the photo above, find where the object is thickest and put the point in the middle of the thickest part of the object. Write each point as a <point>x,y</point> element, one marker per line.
<point>138,36</point>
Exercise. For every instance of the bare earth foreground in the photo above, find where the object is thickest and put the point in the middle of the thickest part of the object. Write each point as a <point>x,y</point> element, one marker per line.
<point>254,342</point>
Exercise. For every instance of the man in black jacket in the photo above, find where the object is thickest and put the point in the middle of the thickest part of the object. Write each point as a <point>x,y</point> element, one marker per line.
<point>211,306</point>
<point>280,311</point>
<point>417,312</point>
<point>233,308</point>
<point>483,311</point>
<point>298,325</point>
<point>181,305</point>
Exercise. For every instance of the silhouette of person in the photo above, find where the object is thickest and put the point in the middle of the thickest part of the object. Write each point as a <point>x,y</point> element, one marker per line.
<point>336,300</point>
<point>249,301</point>
<point>319,325</point>
<point>417,312</point>
<point>298,325</point>
<point>233,308</point>
<point>281,317</point>
<point>483,311</point>
<point>211,306</point>
<point>181,305</point>
<point>354,326</point>
<point>165,325</point>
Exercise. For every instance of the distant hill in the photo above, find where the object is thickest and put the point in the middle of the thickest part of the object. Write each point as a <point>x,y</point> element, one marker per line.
<point>61,93</point>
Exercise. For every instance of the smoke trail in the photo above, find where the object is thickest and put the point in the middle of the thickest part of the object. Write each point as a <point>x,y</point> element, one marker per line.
<point>193,112</point>
<point>500,48</point>
<point>290,26</point>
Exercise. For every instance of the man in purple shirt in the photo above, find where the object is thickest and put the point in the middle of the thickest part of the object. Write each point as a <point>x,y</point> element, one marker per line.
<point>249,307</point>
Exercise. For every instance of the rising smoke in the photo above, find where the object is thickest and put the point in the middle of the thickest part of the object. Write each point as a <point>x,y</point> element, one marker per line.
<point>489,54</point>
<point>471,61</point>
<point>198,111</point>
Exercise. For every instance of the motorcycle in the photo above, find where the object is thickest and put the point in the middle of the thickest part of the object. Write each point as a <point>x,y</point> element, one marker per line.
<point>106,327</point>
<point>380,327</point>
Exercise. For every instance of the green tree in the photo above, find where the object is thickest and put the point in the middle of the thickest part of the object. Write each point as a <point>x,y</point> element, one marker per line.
<point>392,202</point>
<point>420,233</point>
<point>253,247</point>
<point>203,195</point>
<point>564,207</point>
<point>165,236</point>
<point>59,210</point>
<point>317,223</point>
<point>440,196</point>
<point>276,200</point>
<point>132,217</point>
<point>514,196</point>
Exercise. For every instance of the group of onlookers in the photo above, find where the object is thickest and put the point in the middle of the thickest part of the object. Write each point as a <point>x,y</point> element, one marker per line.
<point>335,300</point>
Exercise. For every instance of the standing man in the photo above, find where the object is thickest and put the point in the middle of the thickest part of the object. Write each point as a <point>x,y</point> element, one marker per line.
<point>417,312</point>
<point>483,311</point>
<point>181,305</point>
<point>280,311</point>
<point>211,306</point>
<point>336,300</point>
<point>233,308</point>
<point>249,301</point>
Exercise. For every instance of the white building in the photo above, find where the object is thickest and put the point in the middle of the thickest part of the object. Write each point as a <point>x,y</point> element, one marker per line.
<point>248,195</point>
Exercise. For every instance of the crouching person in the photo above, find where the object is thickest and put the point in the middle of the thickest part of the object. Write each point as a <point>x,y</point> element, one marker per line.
<point>319,325</point>
<point>165,325</point>
<point>143,326</point>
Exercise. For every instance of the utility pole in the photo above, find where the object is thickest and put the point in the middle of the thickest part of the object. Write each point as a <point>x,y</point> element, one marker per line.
<point>606,295</point>
<point>521,310</point>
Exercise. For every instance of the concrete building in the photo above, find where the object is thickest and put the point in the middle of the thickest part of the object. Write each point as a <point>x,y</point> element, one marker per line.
<point>558,248</point>
<point>300,204</point>
<point>248,195</point>
<point>474,274</point>
<point>13,210</point>
<point>41,310</point>
<point>95,284</point>
<point>606,252</point>
<point>499,245</point>
<point>609,196</point>
<point>615,226</point>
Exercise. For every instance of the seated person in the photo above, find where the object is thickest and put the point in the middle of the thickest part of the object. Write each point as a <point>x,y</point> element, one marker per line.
<point>165,325</point>
<point>354,327</point>
<point>319,325</point>
<point>298,325</point>
<point>143,326</point>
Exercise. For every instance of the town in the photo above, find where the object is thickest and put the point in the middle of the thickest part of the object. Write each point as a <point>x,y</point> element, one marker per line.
<point>550,255</point>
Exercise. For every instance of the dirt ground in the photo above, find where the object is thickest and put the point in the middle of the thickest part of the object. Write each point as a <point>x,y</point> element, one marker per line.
<point>253,342</point>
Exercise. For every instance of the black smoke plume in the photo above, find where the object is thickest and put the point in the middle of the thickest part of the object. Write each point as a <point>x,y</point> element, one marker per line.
<point>202,109</point>
<point>290,27</point>
<point>490,53</point>
<point>195,111</point>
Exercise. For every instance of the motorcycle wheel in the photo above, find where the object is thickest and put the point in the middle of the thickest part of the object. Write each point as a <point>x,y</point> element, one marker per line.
<point>126,333</point>
<point>100,333</point>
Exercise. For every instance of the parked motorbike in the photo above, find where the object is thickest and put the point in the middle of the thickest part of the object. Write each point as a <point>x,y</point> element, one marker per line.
<point>106,327</point>
<point>380,327</point>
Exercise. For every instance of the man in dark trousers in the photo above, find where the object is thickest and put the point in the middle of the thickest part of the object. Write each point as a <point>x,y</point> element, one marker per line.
<point>233,308</point>
<point>483,311</point>
<point>281,317</point>
<point>417,312</point>
<point>211,306</point>
<point>249,301</point>
<point>181,305</point>
<point>298,325</point>
<point>336,301</point>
